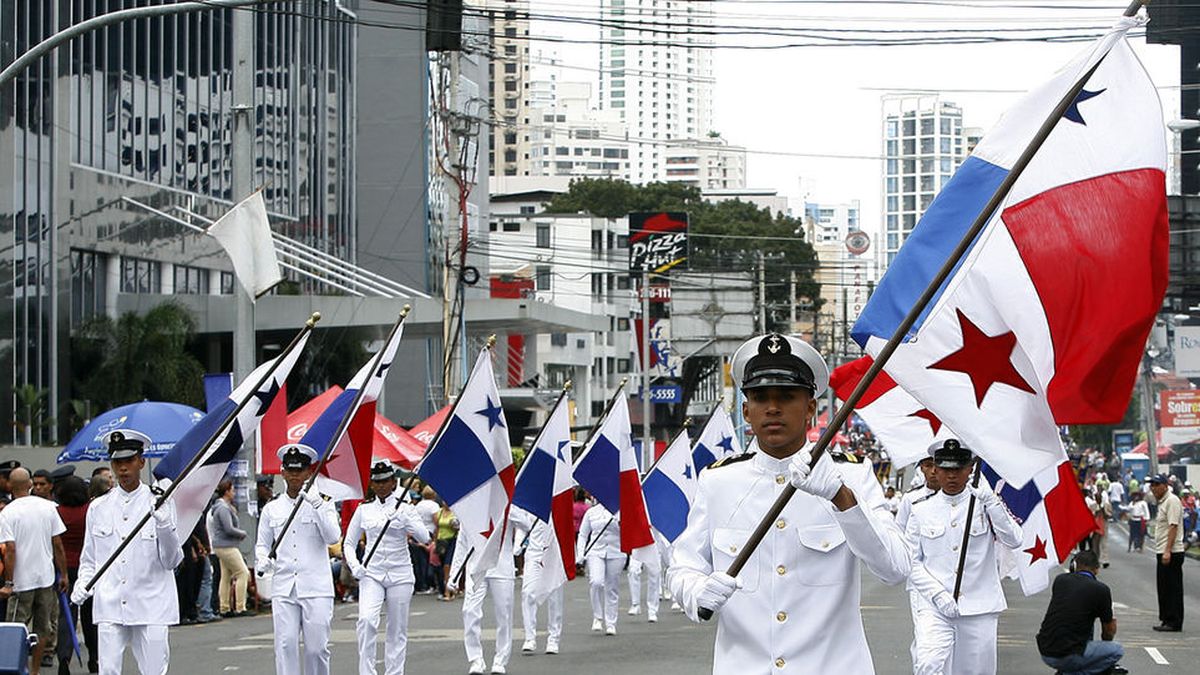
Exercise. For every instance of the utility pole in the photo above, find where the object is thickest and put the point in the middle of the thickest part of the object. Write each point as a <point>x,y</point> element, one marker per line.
<point>792,301</point>
<point>1148,409</point>
<point>647,406</point>
<point>762,294</point>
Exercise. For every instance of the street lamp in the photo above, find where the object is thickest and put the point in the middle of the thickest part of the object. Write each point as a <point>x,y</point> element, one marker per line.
<point>1151,353</point>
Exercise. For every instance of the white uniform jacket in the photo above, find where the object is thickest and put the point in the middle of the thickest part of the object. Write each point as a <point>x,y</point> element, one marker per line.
<point>302,561</point>
<point>798,607</point>
<point>603,535</point>
<point>935,535</point>
<point>505,567</point>
<point>532,535</point>
<point>906,504</point>
<point>139,588</point>
<point>391,563</point>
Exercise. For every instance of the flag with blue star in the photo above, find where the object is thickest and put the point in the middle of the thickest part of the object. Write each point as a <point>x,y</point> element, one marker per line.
<point>717,440</point>
<point>670,488</point>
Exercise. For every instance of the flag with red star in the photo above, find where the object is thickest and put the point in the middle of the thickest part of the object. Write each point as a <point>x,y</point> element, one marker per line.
<point>1053,517</point>
<point>1044,319</point>
<point>904,426</point>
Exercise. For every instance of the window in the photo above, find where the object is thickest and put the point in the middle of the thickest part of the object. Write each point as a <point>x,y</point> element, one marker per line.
<point>558,339</point>
<point>622,323</point>
<point>88,285</point>
<point>191,280</point>
<point>512,227</point>
<point>543,278</point>
<point>543,235</point>
<point>622,241</point>
<point>623,282</point>
<point>580,343</point>
<point>140,276</point>
<point>510,85</point>
<point>624,365</point>
<point>226,283</point>
<point>510,68</point>
<point>526,210</point>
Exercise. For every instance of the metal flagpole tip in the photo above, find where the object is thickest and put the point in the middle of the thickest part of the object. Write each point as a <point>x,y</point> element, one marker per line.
<point>404,312</point>
<point>567,386</point>
<point>491,341</point>
<point>624,381</point>
<point>312,320</point>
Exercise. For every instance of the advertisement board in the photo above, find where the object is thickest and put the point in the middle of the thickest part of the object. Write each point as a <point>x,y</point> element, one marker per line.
<point>657,241</point>
<point>1187,351</point>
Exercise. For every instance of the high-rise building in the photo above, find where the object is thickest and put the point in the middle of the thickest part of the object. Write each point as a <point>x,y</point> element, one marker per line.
<point>656,72</point>
<point>709,164</point>
<point>567,135</point>
<point>508,89</point>
<point>923,145</point>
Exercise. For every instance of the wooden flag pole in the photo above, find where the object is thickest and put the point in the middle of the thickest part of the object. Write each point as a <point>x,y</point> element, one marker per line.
<point>917,309</point>
<point>966,539</point>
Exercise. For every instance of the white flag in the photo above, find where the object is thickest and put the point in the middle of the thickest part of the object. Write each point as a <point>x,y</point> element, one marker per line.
<point>245,234</point>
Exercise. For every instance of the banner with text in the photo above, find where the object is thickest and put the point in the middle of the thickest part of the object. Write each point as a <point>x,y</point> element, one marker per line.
<point>657,241</point>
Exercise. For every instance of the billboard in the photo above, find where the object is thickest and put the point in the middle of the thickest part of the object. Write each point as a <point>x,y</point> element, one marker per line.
<point>1180,408</point>
<point>657,241</point>
<point>1187,351</point>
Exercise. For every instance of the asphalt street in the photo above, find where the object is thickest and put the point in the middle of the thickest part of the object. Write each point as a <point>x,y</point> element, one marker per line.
<point>674,645</point>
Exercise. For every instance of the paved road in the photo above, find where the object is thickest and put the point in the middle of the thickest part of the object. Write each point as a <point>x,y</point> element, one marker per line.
<point>675,646</point>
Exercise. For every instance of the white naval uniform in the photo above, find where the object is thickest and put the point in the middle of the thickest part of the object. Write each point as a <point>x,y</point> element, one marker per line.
<point>498,582</point>
<point>966,644</point>
<point>539,534</point>
<point>914,598</point>
<point>135,600</point>
<point>387,580</point>
<point>302,586</point>
<point>797,609</point>
<point>604,561</point>
<point>652,570</point>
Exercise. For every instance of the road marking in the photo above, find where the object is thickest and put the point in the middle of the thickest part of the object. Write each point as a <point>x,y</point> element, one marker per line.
<point>1157,656</point>
<point>1120,605</point>
<point>228,668</point>
<point>242,648</point>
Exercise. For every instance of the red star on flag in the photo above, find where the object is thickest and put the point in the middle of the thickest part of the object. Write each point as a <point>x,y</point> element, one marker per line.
<point>934,423</point>
<point>1037,551</point>
<point>986,359</point>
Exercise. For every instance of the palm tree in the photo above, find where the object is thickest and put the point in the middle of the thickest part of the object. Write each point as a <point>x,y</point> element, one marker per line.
<point>137,358</point>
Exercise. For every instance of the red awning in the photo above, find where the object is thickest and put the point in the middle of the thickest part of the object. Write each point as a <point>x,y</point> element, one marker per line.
<point>391,442</point>
<point>1143,448</point>
<point>424,432</point>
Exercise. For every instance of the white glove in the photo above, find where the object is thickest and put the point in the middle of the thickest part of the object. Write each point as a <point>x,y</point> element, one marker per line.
<point>946,605</point>
<point>162,516</point>
<point>452,586</point>
<point>717,590</point>
<point>985,496</point>
<point>80,593</point>
<point>160,486</point>
<point>264,566</point>
<point>822,481</point>
<point>314,499</point>
<point>358,572</point>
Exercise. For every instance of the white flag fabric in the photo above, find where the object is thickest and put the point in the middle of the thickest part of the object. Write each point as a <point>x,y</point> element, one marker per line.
<point>245,233</point>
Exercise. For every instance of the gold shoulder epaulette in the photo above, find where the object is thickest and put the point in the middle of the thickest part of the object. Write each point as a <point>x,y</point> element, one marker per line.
<point>844,457</point>
<point>731,459</point>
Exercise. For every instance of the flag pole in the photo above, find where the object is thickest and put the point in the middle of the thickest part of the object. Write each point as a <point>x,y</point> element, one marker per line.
<point>341,430</point>
<point>918,307</point>
<point>966,539</point>
<point>204,451</point>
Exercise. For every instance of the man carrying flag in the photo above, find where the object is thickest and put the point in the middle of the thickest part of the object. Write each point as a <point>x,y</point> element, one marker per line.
<point>795,605</point>
<point>600,548</point>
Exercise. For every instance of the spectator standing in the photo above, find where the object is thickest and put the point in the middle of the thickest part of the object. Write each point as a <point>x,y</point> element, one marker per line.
<point>31,534</point>
<point>579,508</point>
<point>423,554</point>
<point>1168,548</point>
<point>1139,516</point>
<point>447,536</point>
<point>225,530</point>
<point>6,468</point>
<point>71,495</point>
<point>1116,498</point>
<point>1077,600</point>
<point>1101,510</point>
<point>43,484</point>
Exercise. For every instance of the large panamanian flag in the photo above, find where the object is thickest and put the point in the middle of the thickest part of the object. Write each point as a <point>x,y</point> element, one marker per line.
<point>545,489</point>
<point>194,492</point>
<point>470,466</point>
<point>1046,316</point>
<point>717,440</point>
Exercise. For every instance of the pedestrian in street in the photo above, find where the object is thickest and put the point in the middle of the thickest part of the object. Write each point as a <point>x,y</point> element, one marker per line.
<point>537,537</point>
<point>301,586</point>
<point>6,468</point>
<point>424,554</point>
<point>957,636</point>
<point>135,601</point>
<point>1168,550</point>
<point>1101,511</point>
<point>71,495</point>
<point>599,546</point>
<point>1116,498</point>
<point>387,583</point>
<point>903,513</point>
<point>226,534</point>
<point>43,484</point>
<point>1077,600</point>
<point>35,565</point>
<point>795,605</point>
<point>1139,516</point>
<point>498,583</point>
<point>650,570</point>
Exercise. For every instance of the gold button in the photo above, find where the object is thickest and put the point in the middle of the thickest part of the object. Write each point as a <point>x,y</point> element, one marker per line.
<point>781,570</point>
<point>954,523</point>
<point>733,549</point>
<point>779,663</point>
<point>824,544</point>
<point>781,523</point>
<point>780,479</point>
<point>954,547</point>
<point>781,617</point>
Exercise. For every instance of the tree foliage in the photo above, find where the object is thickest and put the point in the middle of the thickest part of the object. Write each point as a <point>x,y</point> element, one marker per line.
<point>725,236</point>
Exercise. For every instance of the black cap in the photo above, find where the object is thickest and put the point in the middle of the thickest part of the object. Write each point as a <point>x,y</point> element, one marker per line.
<point>296,456</point>
<point>1161,479</point>
<point>125,443</point>
<point>6,467</point>
<point>952,455</point>
<point>62,472</point>
<point>382,470</point>
<point>776,366</point>
<point>264,478</point>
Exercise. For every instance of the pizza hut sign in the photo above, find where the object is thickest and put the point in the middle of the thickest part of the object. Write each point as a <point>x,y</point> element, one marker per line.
<point>657,241</point>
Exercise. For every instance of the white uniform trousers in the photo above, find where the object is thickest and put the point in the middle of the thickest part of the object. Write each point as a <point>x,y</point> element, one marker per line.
<point>915,602</point>
<point>372,597</point>
<point>554,613</point>
<point>604,584</point>
<point>653,574</point>
<point>962,646</point>
<point>501,591</point>
<point>151,650</point>
<point>293,616</point>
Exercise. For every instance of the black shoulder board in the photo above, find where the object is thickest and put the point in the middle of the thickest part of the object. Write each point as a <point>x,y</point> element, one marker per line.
<point>844,457</point>
<point>921,499</point>
<point>731,459</point>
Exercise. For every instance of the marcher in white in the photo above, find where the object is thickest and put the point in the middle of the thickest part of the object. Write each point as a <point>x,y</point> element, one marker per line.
<point>599,545</point>
<point>536,535</point>
<point>795,605</point>
<point>301,585</point>
<point>958,637</point>
<point>498,582</point>
<point>652,571</point>
<point>928,487</point>
<point>135,601</point>
<point>388,580</point>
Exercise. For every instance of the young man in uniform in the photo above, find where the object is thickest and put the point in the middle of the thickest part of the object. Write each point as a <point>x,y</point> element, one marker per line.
<point>389,579</point>
<point>302,586</point>
<point>498,582</point>
<point>958,635</point>
<point>599,544</point>
<point>795,605</point>
<point>136,600</point>
<point>537,540</point>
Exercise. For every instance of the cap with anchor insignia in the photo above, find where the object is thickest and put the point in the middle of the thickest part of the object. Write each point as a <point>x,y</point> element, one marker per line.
<point>125,443</point>
<point>382,470</point>
<point>951,454</point>
<point>295,456</point>
<point>776,360</point>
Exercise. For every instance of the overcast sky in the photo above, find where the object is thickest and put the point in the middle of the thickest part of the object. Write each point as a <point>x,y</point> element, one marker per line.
<point>826,100</point>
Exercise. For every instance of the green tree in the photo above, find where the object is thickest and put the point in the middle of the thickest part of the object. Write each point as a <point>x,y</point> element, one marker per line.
<point>139,357</point>
<point>726,236</point>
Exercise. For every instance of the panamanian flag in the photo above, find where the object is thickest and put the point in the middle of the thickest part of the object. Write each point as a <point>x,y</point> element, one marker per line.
<point>348,469</point>
<point>194,492</point>
<point>1045,318</point>
<point>470,466</point>
<point>608,470</point>
<point>670,488</point>
<point>717,440</point>
<point>545,488</point>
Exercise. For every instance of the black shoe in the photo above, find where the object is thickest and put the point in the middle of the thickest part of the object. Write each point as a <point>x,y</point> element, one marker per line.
<point>1118,670</point>
<point>1105,565</point>
<point>1164,628</point>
